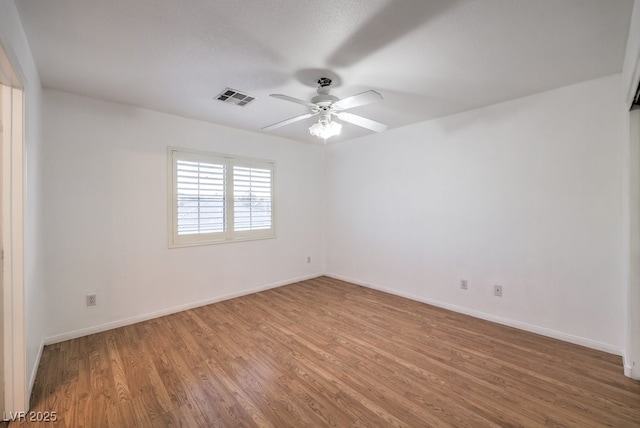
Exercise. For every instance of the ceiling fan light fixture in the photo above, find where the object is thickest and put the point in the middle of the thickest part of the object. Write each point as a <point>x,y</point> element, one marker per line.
<point>327,106</point>
<point>325,129</point>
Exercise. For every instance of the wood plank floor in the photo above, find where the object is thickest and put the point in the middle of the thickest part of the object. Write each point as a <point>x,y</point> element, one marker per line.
<point>328,353</point>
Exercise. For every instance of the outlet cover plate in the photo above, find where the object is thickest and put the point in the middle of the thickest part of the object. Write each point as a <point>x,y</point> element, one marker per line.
<point>497,290</point>
<point>91,299</point>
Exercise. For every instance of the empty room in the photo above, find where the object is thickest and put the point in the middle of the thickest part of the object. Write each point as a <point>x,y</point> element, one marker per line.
<point>320,213</point>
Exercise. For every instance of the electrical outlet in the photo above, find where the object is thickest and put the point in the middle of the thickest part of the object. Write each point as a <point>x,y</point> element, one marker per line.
<point>497,290</point>
<point>91,300</point>
<point>463,284</point>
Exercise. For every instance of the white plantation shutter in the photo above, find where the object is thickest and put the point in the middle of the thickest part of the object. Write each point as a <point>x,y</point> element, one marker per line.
<point>217,198</point>
<point>252,198</point>
<point>200,196</point>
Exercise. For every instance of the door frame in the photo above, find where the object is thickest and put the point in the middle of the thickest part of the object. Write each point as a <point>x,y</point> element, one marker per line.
<point>12,169</point>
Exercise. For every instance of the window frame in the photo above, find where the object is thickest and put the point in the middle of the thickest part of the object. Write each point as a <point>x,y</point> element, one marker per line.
<point>228,234</point>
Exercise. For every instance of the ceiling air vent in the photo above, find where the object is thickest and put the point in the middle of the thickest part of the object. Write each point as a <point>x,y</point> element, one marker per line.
<point>231,96</point>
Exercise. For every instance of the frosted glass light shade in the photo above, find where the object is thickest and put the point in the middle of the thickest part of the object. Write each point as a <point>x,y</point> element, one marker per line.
<point>325,130</point>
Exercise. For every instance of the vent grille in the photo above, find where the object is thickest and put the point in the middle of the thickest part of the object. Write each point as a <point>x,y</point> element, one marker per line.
<point>231,96</point>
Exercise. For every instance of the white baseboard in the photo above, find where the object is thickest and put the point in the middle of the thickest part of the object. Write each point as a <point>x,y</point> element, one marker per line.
<point>168,311</point>
<point>34,372</point>
<point>474,313</point>
<point>628,368</point>
<point>577,340</point>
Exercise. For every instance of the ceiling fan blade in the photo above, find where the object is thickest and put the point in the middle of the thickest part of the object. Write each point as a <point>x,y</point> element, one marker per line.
<point>364,98</point>
<point>293,100</point>
<point>288,121</point>
<point>362,121</point>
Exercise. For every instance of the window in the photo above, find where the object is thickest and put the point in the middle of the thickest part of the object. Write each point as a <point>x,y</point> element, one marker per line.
<point>218,198</point>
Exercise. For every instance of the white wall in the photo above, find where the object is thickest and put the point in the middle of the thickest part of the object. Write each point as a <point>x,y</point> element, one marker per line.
<point>16,46</point>
<point>526,194</point>
<point>105,174</point>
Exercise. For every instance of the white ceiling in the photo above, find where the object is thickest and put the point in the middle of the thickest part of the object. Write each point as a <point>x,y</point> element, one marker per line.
<point>428,58</point>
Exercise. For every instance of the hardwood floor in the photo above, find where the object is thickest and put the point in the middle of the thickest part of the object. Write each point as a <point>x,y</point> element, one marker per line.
<point>328,353</point>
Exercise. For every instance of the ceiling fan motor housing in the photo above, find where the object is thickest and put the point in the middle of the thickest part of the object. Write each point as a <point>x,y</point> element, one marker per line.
<point>324,99</point>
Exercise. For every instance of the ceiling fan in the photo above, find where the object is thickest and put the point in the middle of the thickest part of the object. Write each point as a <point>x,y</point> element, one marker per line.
<point>326,106</point>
